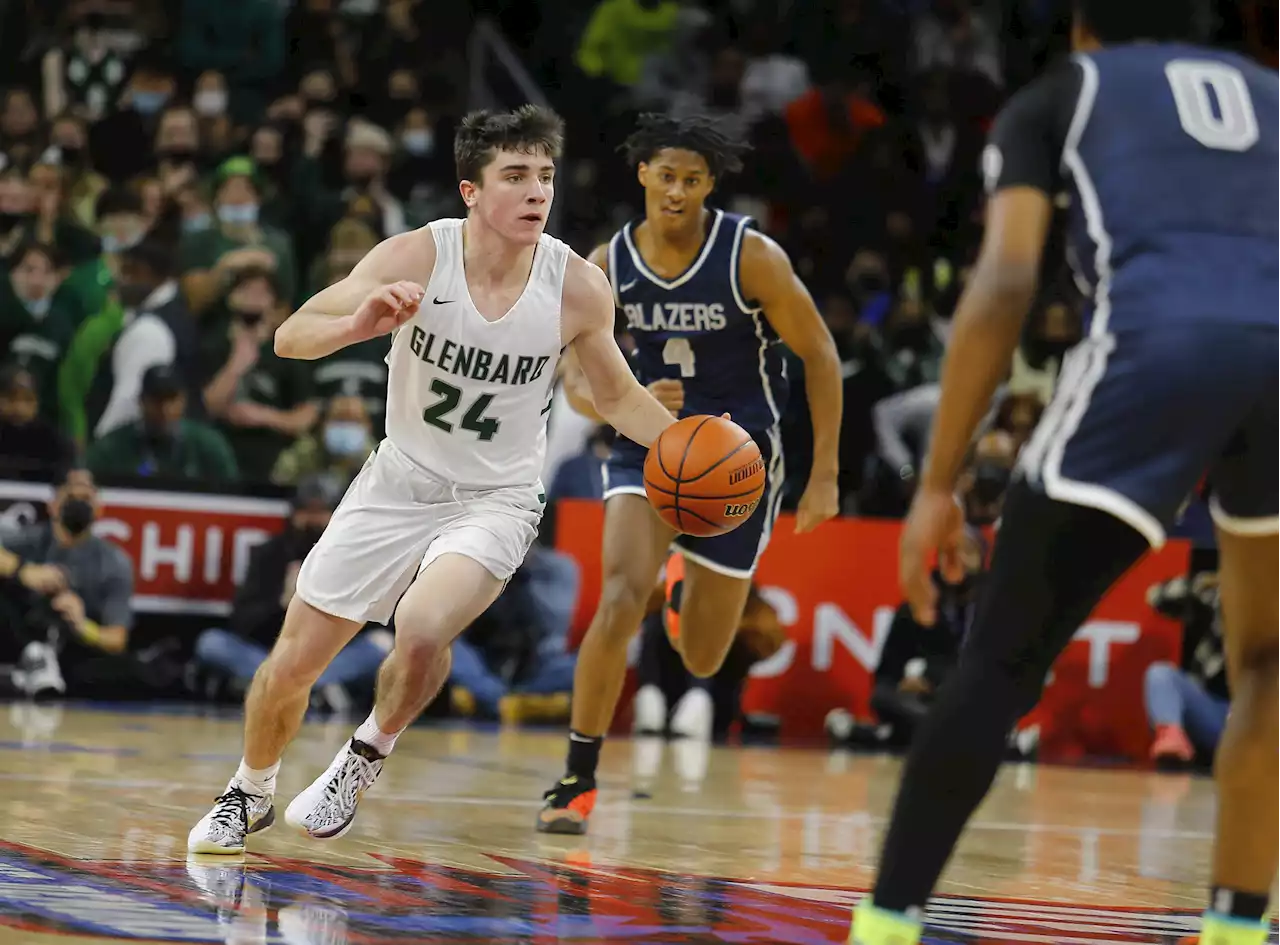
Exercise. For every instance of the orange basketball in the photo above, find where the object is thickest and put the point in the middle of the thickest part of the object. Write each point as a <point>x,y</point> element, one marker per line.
<point>704,476</point>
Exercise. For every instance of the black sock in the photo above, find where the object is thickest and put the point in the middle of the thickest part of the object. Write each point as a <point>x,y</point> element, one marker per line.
<point>1238,905</point>
<point>584,754</point>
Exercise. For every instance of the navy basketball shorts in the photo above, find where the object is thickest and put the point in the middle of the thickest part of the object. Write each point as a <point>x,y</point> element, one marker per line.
<point>735,553</point>
<point>1141,416</point>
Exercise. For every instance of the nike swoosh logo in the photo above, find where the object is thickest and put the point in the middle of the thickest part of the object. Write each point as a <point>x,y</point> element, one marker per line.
<point>439,301</point>
<point>628,286</point>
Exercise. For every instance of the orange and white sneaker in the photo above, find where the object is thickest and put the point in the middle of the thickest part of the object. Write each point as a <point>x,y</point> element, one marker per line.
<point>1171,745</point>
<point>567,806</point>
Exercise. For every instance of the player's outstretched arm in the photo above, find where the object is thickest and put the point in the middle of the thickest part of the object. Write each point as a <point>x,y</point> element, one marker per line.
<point>373,300</point>
<point>619,399</point>
<point>769,279</point>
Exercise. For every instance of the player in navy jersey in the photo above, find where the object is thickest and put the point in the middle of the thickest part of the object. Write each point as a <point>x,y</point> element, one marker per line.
<point>708,300</point>
<point>1169,153</point>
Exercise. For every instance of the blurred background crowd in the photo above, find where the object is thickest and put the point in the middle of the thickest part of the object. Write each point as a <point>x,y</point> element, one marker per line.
<point>177,175</point>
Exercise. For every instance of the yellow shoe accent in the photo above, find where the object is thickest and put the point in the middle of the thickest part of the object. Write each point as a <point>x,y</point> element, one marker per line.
<point>1224,930</point>
<point>874,926</point>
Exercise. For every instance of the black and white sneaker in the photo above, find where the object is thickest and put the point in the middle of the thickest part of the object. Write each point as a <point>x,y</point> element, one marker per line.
<point>38,674</point>
<point>235,814</point>
<point>327,807</point>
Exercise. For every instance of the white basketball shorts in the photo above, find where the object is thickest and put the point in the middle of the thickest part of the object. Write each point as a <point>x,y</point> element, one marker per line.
<point>395,520</point>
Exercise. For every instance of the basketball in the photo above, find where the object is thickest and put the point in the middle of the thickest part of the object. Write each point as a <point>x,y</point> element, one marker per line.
<point>704,476</point>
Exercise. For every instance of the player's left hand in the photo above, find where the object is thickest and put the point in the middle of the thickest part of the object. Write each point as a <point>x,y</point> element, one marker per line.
<point>821,501</point>
<point>935,522</point>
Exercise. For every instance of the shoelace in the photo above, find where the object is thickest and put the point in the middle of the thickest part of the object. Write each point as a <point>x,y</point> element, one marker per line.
<point>342,793</point>
<point>231,810</point>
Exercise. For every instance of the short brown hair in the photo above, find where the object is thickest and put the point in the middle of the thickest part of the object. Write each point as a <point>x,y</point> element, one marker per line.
<point>529,129</point>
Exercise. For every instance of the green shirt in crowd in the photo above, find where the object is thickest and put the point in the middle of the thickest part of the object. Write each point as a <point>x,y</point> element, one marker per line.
<point>203,249</point>
<point>361,371</point>
<point>196,451</point>
<point>37,342</point>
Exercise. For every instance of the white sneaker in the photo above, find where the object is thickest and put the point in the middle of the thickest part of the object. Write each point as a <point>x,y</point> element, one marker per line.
<point>38,673</point>
<point>326,809</point>
<point>694,715</point>
<point>235,814</point>
<point>650,711</point>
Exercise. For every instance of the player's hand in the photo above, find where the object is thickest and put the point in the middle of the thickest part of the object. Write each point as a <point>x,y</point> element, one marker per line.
<point>385,309</point>
<point>935,523</point>
<point>821,501</point>
<point>670,393</point>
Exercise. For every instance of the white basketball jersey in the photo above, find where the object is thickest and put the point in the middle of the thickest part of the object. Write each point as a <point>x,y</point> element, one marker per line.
<point>467,399</point>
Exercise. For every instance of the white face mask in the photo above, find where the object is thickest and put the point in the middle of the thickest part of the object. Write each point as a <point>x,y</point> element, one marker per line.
<point>418,142</point>
<point>210,102</point>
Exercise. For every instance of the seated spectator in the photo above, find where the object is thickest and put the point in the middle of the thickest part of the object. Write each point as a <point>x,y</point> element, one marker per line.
<point>162,441</point>
<point>237,240</point>
<point>916,659</point>
<point>1187,706</point>
<point>54,223</point>
<point>82,184</point>
<point>581,476</point>
<point>513,663</point>
<point>985,479</point>
<point>101,378</point>
<point>36,324</point>
<point>261,601</point>
<point>17,209</point>
<point>262,402</point>
<point>338,450</point>
<point>67,596</point>
<point>701,709</point>
<point>27,440</point>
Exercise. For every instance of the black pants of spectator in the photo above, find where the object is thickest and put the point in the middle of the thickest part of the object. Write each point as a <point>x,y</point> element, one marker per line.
<point>1052,563</point>
<point>660,665</point>
<point>902,711</point>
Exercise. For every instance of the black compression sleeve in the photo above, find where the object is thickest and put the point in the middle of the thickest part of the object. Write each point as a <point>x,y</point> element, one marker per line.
<point>1026,141</point>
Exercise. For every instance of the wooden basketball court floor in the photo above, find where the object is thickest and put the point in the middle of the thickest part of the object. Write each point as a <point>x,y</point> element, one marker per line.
<point>687,845</point>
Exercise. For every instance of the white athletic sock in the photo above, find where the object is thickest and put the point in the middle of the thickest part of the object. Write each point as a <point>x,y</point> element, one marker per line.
<point>376,738</point>
<point>260,780</point>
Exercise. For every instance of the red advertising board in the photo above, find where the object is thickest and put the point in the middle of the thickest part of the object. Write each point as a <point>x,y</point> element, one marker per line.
<point>189,550</point>
<point>836,590</point>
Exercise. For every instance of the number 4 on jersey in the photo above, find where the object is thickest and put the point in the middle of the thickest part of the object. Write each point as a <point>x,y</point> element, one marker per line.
<point>679,351</point>
<point>473,420</point>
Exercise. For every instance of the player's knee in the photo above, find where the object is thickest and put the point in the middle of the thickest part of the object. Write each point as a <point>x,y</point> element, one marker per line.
<point>622,607</point>
<point>418,652</point>
<point>702,660</point>
<point>291,666</point>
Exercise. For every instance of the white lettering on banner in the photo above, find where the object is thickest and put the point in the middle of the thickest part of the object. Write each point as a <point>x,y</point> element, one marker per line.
<point>245,541</point>
<point>113,529</point>
<point>831,623</point>
<point>155,555</point>
<point>1100,634</point>
<point>212,554</point>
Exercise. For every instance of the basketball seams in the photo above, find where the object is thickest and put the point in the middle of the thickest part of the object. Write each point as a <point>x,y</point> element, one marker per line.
<point>688,445</point>
<point>723,459</point>
<point>700,498</point>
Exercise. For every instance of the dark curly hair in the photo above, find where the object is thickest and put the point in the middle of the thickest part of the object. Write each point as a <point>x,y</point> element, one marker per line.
<point>702,135</point>
<point>530,129</point>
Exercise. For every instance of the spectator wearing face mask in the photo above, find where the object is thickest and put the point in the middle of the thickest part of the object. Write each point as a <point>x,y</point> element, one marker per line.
<point>36,324</point>
<point>338,450</point>
<point>27,440</point>
<point>982,485</point>
<point>71,589</point>
<point>238,239</point>
<point>120,220</point>
<point>366,162</point>
<point>17,208</point>
<point>53,222</point>
<point>127,136</point>
<point>210,101</point>
<point>163,442</point>
<point>101,378</point>
<point>262,402</point>
<point>20,136</point>
<point>69,135</point>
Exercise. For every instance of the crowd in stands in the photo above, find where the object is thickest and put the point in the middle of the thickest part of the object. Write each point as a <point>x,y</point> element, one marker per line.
<point>177,175</point>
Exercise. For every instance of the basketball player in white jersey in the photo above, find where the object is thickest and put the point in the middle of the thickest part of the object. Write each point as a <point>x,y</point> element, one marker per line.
<point>446,508</point>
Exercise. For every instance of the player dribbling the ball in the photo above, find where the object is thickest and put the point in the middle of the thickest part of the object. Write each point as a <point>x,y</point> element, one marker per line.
<point>709,301</point>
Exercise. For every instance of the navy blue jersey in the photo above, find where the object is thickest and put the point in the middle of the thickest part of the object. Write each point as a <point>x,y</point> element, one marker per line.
<point>1169,152</point>
<point>699,328</point>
